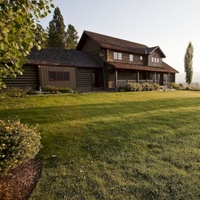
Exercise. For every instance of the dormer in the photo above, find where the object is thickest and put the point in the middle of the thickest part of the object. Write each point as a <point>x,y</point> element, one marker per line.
<point>155,56</point>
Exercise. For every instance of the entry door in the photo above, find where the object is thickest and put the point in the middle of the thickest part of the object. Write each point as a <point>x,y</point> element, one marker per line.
<point>95,79</point>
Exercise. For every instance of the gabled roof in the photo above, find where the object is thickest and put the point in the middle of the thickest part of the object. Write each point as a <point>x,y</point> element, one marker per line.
<point>62,57</point>
<point>117,44</point>
<point>164,68</point>
<point>155,49</point>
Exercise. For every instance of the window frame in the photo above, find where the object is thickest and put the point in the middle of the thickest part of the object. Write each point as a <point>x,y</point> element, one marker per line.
<point>117,55</point>
<point>58,76</point>
<point>131,58</point>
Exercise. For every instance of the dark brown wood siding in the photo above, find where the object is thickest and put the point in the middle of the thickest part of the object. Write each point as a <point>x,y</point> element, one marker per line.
<point>125,58</point>
<point>88,79</point>
<point>155,60</point>
<point>28,79</point>
<point>45,80</point>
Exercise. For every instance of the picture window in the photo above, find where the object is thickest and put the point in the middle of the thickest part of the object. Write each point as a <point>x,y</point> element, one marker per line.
<point>58,76</point>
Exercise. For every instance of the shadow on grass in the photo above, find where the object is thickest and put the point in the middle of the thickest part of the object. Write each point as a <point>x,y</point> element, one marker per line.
<point>42,115</point>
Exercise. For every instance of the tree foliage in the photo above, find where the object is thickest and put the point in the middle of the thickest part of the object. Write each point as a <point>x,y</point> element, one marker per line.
<point>71,37</point>
<point>20,32</point>
<point>188,63</point>
<point>56,30</point>
<point>57,36</point>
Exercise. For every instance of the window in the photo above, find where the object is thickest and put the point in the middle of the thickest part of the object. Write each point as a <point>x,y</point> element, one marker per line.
<point>52,76</point>
<point>155,60</point>
<point>58,76</point>
<point>130,57</point>
<point>66,76</point>
<point>117,56</point>
<point>141,57</point>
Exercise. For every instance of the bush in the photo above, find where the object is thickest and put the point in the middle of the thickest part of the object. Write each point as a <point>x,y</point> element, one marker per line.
<point>156,86</point>
<point>18,143</point>
<point>66,90</point>
<point>147,87</point>
<point>140,87</point>
<point>121,89</point>
<point>176,86</point>
<point>16,92</point>
<point>133,87</point>
<point>50,89</point>
<point>54,90</point>
<point>189,88</point>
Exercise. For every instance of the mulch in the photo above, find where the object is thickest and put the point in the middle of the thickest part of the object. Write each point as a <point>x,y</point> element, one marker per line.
<point>21,181</point>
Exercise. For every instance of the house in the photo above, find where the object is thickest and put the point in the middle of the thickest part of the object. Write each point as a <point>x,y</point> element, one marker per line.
<point>126,62</point>
<point>58,67</point>
<point>99,62</point>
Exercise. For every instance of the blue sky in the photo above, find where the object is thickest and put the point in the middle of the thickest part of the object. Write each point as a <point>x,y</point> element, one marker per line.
<point>170,24</point>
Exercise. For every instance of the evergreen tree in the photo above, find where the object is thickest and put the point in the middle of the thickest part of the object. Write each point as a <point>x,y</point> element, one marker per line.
<point>188,63</point>
<point>56,30</point>
<point>71,37</point>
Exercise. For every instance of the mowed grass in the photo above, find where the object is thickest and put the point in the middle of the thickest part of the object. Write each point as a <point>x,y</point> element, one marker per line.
<point>115,146</point>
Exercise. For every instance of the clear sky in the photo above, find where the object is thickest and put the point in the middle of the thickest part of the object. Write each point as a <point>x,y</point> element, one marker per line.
<point>170,24</point>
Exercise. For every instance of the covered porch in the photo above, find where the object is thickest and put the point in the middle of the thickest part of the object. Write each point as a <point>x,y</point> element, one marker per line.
<point>120,78</point>
<point>119,75</point>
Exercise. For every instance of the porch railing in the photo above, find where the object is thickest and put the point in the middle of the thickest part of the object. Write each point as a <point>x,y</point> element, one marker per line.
<point>128,81</point>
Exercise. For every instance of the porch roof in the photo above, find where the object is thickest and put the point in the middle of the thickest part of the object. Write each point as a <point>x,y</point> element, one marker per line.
<point>164,68</point>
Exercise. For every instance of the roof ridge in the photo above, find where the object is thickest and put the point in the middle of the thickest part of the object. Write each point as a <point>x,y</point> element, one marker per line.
<point>116,38</point>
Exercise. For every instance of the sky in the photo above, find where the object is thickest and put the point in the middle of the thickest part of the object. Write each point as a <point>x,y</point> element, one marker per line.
<point>169,24</point>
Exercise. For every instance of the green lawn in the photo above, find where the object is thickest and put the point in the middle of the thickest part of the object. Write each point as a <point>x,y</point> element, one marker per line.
<point>119,146</point>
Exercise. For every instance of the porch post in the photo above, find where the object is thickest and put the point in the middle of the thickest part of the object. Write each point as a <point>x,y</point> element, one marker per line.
<point>154,78</point>
<point>116,78</point>
<point>138,76</point>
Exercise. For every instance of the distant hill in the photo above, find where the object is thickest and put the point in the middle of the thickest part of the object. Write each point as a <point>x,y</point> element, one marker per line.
<point>180,78</point>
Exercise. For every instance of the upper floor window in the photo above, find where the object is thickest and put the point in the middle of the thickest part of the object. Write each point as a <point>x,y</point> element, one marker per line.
<point>130,57</point>
<point>117,56</point>
<point>155,60</point>
<point>141,57</point>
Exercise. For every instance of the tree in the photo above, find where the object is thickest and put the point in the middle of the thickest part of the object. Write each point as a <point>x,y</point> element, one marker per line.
<point>71,37</point>
<point>188,63</point>
<point>56,30</point>
<point>18,30</point>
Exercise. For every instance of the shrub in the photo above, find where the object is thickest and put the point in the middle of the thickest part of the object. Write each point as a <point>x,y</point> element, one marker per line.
<point>121,89</point>
<point>66,90</point>
<point>50,89</point>
<point>18,143</point>
<point>133,87</point>
<point>189,88</point>
<point>147,87</point>
<point>176,86</point>
<point>16,92</point>
<point>54,90</point>
<point>156,86</point>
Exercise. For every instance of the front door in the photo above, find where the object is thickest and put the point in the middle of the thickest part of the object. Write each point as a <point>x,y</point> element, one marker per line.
<point>95,79</point>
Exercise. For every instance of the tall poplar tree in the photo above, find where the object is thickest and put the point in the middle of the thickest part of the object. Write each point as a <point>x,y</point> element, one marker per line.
<point>56,30</point>
<point>188,63</point>
<point>71,37</point>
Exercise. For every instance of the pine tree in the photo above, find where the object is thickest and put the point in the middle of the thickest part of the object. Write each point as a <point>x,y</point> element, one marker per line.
<point>188,63</point>
<point>56,30</point>
<point>71,37</point>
